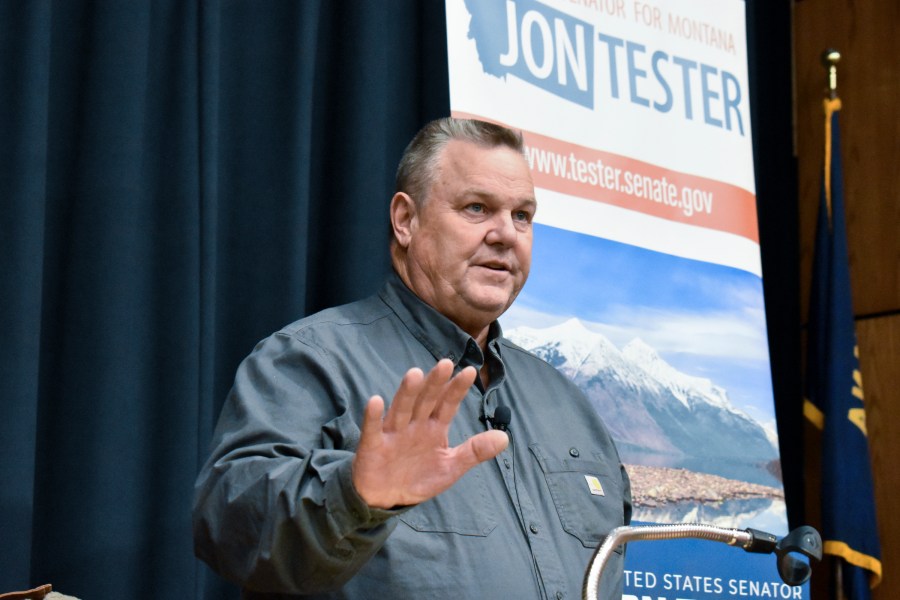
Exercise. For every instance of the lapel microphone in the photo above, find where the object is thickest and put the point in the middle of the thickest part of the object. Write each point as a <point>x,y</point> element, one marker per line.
<point>502,417</point>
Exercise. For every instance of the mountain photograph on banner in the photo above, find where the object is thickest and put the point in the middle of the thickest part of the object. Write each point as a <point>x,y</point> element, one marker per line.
<point>672,354</point>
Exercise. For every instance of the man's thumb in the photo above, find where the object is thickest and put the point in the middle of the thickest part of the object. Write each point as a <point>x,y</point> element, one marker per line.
<point>488,444</point>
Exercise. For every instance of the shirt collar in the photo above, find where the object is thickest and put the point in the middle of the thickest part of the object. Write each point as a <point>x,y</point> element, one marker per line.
<point>441,336</point>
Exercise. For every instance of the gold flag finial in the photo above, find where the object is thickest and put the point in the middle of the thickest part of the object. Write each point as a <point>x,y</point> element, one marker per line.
<point>830,58</point>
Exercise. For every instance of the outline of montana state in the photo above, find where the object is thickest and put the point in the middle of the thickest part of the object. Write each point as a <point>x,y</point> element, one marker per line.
<point>487,27</point>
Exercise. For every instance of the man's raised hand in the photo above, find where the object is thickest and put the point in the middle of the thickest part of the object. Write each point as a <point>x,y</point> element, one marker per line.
<point>405,458</point>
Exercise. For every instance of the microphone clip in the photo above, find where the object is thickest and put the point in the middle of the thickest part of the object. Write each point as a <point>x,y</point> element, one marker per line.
<point>500,419</point>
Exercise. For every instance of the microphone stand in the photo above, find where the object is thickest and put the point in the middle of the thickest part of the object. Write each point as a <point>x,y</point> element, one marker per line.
<point>794,571</point>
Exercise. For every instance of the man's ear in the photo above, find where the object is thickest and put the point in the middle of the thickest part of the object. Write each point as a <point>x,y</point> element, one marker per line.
<point>403,218</point>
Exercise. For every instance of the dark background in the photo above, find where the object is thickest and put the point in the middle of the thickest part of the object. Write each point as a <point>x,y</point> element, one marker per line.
<point>178,179</point>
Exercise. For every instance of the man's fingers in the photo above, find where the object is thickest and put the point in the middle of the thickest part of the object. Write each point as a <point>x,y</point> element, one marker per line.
<point>401,409</point>
<point>455,391</point>
<point>433,389</point>
<point>372,425</point>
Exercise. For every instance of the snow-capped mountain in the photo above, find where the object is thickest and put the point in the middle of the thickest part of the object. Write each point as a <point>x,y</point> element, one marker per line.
<point>686,388</point>
<point>647,404</point>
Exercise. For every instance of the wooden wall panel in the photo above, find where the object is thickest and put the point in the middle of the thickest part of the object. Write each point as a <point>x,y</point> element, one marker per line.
<point>868,36</point>
<point>879,348</point>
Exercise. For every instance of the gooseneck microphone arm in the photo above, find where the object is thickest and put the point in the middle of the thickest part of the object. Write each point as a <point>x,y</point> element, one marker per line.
<point>794,571</point>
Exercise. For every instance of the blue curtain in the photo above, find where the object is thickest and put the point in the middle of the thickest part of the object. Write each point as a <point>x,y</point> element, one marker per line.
<point>178,179</point>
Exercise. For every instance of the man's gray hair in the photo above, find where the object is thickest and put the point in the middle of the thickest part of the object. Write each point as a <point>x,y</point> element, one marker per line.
<point>416,171</point>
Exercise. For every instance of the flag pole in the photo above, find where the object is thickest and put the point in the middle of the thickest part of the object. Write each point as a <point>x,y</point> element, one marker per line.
<point>830,58</point>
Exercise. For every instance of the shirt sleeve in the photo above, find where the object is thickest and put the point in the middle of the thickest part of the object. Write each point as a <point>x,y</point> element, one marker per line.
<point>275,509</point>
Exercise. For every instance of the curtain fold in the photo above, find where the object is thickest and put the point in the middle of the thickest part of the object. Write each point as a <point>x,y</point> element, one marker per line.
<point>24,97</point>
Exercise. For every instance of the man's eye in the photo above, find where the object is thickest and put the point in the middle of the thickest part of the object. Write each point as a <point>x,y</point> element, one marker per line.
<point>522,215</point>
<point>476,208</point>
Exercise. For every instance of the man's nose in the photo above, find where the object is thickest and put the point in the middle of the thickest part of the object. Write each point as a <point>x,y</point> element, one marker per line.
<point>503,231</point>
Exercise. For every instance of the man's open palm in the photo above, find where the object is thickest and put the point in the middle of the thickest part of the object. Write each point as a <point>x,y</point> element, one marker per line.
<point>406,458</point>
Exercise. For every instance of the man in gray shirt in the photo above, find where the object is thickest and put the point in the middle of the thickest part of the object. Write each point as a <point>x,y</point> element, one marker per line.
<point>318,486</point>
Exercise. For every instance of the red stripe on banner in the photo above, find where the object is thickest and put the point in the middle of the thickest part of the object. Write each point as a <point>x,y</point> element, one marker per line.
<point>639,186</point>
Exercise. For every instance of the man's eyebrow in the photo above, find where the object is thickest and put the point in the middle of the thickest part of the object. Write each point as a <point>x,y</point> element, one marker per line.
<point>478,193</point>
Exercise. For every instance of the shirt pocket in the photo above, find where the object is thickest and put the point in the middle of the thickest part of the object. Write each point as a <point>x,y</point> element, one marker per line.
<point>585,510</point>
<point>460,509</point>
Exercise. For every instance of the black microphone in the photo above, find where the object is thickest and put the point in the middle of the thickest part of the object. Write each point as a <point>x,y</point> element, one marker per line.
<point>502,417</point>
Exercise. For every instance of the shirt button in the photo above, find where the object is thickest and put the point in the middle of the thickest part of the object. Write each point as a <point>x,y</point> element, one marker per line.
<point>559,595</point>
<point>533,528</point>
<point>506,463</point>
<point>574,452</point>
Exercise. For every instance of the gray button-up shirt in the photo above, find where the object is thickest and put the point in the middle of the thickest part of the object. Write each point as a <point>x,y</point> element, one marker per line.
<point>276,512</point>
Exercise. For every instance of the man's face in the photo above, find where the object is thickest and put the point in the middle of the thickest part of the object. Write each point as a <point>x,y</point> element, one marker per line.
<point>469,245</point>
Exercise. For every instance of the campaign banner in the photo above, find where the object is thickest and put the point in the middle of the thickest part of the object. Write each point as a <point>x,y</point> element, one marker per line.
<point>646,283</point>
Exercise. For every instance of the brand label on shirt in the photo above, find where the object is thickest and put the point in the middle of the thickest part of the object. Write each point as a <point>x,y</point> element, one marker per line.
<point>594,485</point>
